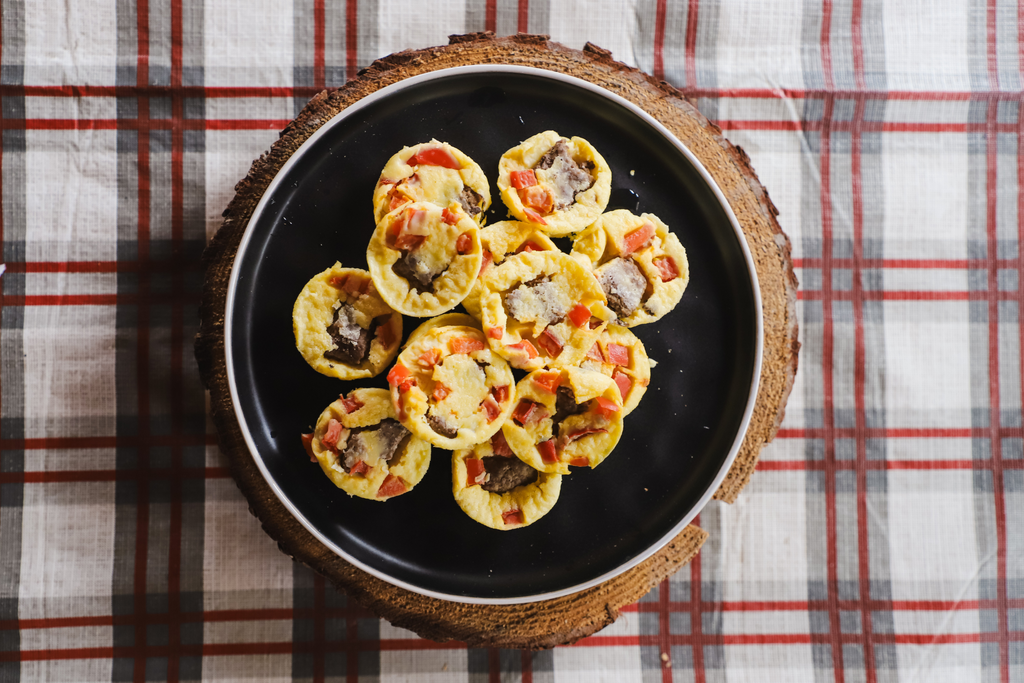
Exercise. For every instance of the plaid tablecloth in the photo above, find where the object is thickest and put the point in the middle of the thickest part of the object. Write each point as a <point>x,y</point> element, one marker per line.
<point>882,537</point>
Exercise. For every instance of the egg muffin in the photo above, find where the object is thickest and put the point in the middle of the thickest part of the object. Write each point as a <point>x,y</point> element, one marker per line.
<point>443,320</point>
<point>500,240</point>
<point>541,309</point>
<point>342,326</point>
<point>364,450</point>
<point>499,490</point>
<point>619,354</point>
<point>560,184</point>
<point>432,172</point>
<point>450,389</point>
<point>424,259</point>
<point>640,264</point>
<point>563,417</point>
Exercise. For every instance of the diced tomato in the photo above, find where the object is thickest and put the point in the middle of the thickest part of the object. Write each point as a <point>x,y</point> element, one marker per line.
<point>529,245</point>
<point>623,382</point>
<point>475,473</point>
<point>618,354</point>
<point>392,486</point>
<point>396,200</point>
<point>386,181</point>
<point>400,376</point>
<point>486,261</point>
<point>666,268</point>
<point>605,407</point>
<point>500,445</point>
<point>307,443</point>
<point>595,353</point>
<point>385,333</point>
<point>333,433</point>
<point>525,411</point>
<point>351,405</point>
<point>359,469</point>
<point>491,407</point>
<point>537,198</point>
<point>450,217</point>
<point>548,381</point>
<point>440,391</point>
<point>495,332</point>
<point>579,462</point>
<point>521,179</point>
<point>579,315</point>
<point>356,285</point>
<point>534,217</point>
<point>338,281</point>
<point>549,342</point>
<point>464,243</point>
<point>409,242</point>
<point>466,345</point>
<point>547,451</point>
<point>580,433</point>
<point>526,347</point>
<point>500,394</point>
<point>428,359</point>
<point>434,156</point>
<point>512,517</point>
<point>637,239</point>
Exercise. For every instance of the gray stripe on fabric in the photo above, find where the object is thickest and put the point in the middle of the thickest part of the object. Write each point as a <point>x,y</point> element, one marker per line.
<point>986,540</point>
<point>1009,35</point>
<point>706,53</point>
<point>840,39</point>
<point>12,20</point>
<point>303,50</point>
<point>335,45</point>
<point>193,51</point>
<point>643,37</point>
<point>977,46</point>
<point>476,16</point>
<point>872,27</point>
<point>159,42</point>
<point>506,17</point>
<point>673,47</point>
<point>126,72</point>
<point>303,627</point>
<point>539,17</point>
<point>368,34</point>
<point>810,45</point>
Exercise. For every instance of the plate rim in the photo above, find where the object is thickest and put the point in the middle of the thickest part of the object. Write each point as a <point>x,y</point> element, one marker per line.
<point>368,100</point>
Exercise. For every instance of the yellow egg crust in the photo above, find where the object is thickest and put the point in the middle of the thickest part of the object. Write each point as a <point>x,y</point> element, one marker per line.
<point>313,313</point>
<point>435,184</point>
<point>436,380</point>
<point>604,241</point>
<point>586,451</point>
<point>638,369</point>
<point>533,501</point>
<point>439,250</point>
<point>573,285</point>
<point>443,320</point>
<point>409,463</point>
<point>500,240</point>
<point>588,204</point>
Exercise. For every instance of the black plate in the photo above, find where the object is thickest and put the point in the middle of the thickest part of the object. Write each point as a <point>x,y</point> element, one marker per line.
<point>675,444</point>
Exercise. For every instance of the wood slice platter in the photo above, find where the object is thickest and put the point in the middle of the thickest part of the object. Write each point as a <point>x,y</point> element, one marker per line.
<point>566,619</point>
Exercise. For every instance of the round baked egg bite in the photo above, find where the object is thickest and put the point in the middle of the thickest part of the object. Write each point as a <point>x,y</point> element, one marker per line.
<point>364,450</point>
<point>342,326</point>
<point>497,489</point>
<point>450,389</point>
<point>620,355</point>
<point>563,417</point>
<point>541,309</point>
<point>424,259</point>
<point>639,263</point>
<point>560,184</point>
<point>432,172</point>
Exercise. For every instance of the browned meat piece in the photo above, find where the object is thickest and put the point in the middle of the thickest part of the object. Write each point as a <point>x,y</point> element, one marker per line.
<point>624,285</point>
<point>390,434</point>
<point>352,341</point>
<point>442,427</point>
<point>470,200</point>
<point>506,474</point>
<point>565,405</point>
<point>414,270</point>
<point>566,178</point>
<point>539,300</point>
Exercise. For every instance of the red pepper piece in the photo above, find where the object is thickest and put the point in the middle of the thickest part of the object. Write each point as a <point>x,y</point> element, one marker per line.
<point>400,376</point>
<point>434,156</point>
<point>466,345</point>
<point>512,517</point>
<point>464,243</point>
<point>549,343</point>
<point>307,443</point>
<point>409,242</point>
<point>595,353</point>
<point>500,394</point>
<point>526,410</point>
<point>338,281</point>
<point>385,333</point>
<point>359,469</point>
<point>396,200</point>
<point>356,285</point>
<point>428,359</point>
<point>637,239</point>
<point>605,407</point>
<point>548,381</point>
<point>618,354</point>
<point>526,346</point>
<point>351,405</point>
<point>534,217</point>
<point>579,315</point>
<point>500,445</point>
<point>486,261</point>
<point>495,332</point>
<point>440,391</point>
<point>537,198</point>
<point>333,433</point>
<point>450,217</point>
<point>492,409</point>
<point>623,382</point>
<point>386,181</point>
<point>475,473</point>
<point>666,268</point>
<point>579,462</point>
<point>529,245</point>
<point>392,486</point>
<point>547,451</point>
<point>521,179</point>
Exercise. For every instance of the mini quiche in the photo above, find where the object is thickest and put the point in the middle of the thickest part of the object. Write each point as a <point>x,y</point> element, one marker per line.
<point>640,264</point>
<point>424,259</point>
<point>558,183</point>
<point>342,326</point>
<point>541,309</point>
<point>566,416</point>
<point>618,354</point>
<point>500,240</point>
<point>499,490</point>
<point>448,388</point>
<point>363,449</point>
<point>443,320</point>
<point>432,172</point>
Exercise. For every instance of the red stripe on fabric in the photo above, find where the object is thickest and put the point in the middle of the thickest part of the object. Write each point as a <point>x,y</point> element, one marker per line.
<point>692,13</point>
<point>493,666</point>
<point>319,76</point>
<point>659,39</point>
<point>526,664</point>
<point>856,13</point>
<point>826,44</point>
<point>74,476</point>
<point>791,465</point>
<point>908,264</point>
<point>491,16</point>
<point>523,17</point>
<point>902,432</point>
<point>866,126</point>
<point>664,629</point>
<point>351,38</point>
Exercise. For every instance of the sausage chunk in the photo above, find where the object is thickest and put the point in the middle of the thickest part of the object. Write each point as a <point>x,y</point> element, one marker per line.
<point>351,341</point>
<point>624,285</point>
<point>442,427</point>
<point>506,474</point>
<point>539,300</point>
<point>470,200</point>
<point>384,438</point>
<point>415,271</point>
<point>566,178</point>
